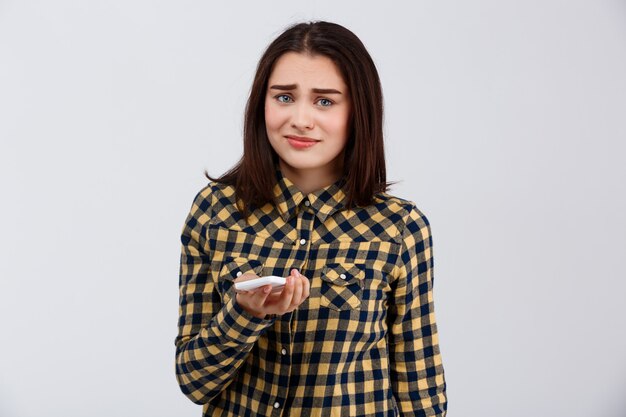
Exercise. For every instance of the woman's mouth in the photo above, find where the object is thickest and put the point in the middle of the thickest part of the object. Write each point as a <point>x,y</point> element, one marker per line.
<point>300,142</point>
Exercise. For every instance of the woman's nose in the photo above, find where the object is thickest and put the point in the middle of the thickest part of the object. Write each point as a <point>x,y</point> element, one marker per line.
<point>302,117</point>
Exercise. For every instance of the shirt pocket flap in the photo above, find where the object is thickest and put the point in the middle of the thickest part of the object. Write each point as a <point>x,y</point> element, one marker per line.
<point>344,274</point>
<point>234,267</point>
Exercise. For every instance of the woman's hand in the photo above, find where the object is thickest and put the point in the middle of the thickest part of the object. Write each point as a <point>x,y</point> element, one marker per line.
<point>261,301</point>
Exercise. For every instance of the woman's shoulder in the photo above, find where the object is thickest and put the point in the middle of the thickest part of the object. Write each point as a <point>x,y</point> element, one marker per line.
<point>394,201</point>
<point>215,193</point>
<point>404,208</point>
<point>215,189</point>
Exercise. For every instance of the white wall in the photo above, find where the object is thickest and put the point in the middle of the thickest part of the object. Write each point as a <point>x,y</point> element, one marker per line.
<point>505,121</point>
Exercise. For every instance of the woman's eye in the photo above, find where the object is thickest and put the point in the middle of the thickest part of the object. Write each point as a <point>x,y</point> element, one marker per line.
<point>283,98</point>
<point>324,102</point>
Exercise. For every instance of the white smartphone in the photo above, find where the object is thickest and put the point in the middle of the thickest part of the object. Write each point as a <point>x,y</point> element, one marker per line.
<point>277,283</point>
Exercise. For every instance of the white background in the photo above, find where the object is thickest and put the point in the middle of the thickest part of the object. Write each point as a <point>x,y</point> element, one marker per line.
<point>505,122</point>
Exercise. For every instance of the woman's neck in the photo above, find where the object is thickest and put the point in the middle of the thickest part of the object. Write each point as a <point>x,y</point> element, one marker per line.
<point>310,179</point>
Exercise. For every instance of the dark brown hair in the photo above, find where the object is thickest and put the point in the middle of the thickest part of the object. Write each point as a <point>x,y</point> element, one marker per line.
<point>364,159</point>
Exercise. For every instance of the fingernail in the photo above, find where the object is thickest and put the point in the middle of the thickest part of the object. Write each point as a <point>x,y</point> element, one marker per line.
<point>297,273</point>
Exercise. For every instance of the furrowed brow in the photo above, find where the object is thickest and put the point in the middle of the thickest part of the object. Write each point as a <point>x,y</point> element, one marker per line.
<point>326,91</point>
<point>288,87</point>
<point>285,87</point>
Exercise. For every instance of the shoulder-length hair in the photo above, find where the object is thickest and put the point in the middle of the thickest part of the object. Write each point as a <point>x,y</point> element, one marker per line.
<point>364,159</point>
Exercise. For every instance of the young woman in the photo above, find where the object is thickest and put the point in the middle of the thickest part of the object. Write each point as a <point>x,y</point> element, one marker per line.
<point>353,331</point>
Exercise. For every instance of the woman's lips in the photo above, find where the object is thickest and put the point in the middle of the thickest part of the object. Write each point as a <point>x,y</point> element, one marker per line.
<point>300,142</point>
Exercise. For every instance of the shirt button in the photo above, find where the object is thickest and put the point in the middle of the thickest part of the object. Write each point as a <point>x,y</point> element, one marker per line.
<point>276,404</point>
<point>342,276</point>
<point>307,203</point>
<point>302,241</point>
<point>284,351</point>
<point>239,273</point>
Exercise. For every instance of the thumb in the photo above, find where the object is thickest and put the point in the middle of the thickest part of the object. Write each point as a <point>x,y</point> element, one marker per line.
<point>261,294</point>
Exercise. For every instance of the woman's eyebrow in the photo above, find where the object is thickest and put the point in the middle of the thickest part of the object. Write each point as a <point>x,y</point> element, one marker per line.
<point>287,87</point>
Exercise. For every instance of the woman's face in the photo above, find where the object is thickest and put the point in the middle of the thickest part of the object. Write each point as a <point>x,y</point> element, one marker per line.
<point>307,111</point>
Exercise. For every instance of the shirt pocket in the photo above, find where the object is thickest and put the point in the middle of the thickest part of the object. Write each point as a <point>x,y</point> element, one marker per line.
<point>231,269</point>
<point>342,286</point>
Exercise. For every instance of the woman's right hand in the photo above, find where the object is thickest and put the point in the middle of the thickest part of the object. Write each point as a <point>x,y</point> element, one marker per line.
<point>261,301</point>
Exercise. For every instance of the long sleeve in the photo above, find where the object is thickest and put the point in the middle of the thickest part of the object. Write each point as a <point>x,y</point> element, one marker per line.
<point>213,339</point>
<point>416,369</point>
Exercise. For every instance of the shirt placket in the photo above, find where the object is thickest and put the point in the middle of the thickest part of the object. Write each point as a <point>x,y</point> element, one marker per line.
<point>304,225</point>
<point>305,230</point>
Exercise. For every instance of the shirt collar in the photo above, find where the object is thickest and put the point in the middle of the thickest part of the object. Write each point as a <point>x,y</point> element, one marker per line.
<point>324,202</point>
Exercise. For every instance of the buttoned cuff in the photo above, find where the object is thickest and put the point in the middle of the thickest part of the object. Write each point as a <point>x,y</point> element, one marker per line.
<point>237,325</point>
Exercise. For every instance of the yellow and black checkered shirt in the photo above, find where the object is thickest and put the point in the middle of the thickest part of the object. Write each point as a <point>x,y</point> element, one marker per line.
<point>364,343</point>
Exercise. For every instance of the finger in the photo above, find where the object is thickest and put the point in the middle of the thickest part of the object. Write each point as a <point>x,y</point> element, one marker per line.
<point>298,287</point>
<point>287,295</point>
<point>260,295</point>
<point>276,290</point>
<point>307,287</point>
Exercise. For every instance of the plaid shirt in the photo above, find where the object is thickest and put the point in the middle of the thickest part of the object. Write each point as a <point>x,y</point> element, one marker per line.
<point>364,343</point>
